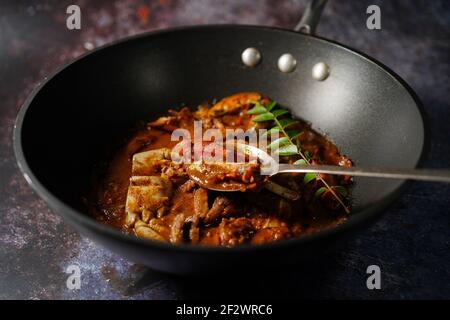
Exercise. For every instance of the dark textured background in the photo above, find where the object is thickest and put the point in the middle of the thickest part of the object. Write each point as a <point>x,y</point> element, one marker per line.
<point>410,243</point>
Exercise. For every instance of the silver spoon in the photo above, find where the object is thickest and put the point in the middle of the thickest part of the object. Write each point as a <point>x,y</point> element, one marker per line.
<point>270,167</point>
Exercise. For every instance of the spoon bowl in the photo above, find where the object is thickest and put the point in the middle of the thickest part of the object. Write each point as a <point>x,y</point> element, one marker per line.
<point>269,167</point>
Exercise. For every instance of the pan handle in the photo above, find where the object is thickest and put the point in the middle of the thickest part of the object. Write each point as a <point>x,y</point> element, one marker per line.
<point>311,17</point>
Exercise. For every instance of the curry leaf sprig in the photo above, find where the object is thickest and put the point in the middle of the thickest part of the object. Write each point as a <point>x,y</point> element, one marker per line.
<point>289,145</point>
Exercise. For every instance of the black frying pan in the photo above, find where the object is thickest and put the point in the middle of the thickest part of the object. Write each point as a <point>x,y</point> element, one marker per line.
<point>64,126</point>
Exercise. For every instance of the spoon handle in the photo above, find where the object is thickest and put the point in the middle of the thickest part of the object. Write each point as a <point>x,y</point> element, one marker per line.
<point>407,174</point>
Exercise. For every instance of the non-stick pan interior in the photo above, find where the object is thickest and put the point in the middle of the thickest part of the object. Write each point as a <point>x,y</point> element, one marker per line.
<point>97,100</point>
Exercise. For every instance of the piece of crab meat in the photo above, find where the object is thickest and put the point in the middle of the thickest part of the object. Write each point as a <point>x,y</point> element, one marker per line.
<point>235,231</point>
<point>149,163</point>
<point>226,176</point>
<point>221,207</point>
<point>200,202</point>
<point>176,229</point>
<point>143,230</point>
<point>147,194</point>
<point>194,230</point>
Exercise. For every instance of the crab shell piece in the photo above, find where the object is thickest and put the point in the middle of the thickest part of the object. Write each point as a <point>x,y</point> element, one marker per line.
<point>149,163</point>
<point>148,192</point>
<point>234,103</point>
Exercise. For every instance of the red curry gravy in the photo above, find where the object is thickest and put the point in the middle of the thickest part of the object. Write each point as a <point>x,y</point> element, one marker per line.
<point>164,204</point>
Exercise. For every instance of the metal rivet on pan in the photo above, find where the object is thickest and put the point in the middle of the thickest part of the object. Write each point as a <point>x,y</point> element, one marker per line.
<point>320,71</point>
<point>251,57</point>
<point>287,63</point>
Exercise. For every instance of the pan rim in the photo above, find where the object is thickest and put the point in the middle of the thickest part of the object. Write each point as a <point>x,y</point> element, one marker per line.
<point>77,217</point>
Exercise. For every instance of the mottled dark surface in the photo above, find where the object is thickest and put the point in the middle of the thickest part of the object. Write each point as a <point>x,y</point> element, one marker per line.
<point>410,243</point>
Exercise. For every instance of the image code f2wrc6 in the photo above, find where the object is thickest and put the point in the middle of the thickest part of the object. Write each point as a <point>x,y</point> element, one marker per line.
<point>224,309</point>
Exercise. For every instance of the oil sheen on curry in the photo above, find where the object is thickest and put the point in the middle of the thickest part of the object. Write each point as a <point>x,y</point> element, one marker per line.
<point>143,191</point>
